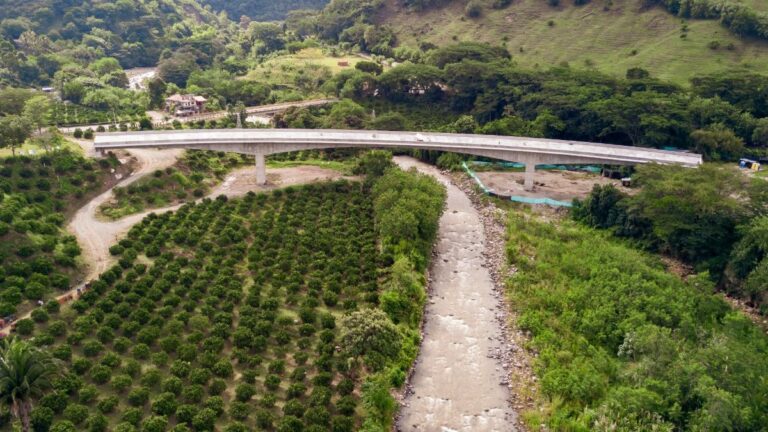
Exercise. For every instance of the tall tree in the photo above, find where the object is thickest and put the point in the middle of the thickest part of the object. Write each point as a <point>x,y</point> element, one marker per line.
<point>25,373</point>
<point>38,111</point>
<point>14,130</point>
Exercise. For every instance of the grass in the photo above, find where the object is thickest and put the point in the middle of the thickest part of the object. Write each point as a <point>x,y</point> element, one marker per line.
<point>312,65</point>
<point>611,41</point>
<point>345,167</point>
<point>38,150</point>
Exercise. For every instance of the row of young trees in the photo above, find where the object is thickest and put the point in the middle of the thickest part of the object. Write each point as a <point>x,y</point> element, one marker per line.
<point>37,258</point>
<point>274,299</point>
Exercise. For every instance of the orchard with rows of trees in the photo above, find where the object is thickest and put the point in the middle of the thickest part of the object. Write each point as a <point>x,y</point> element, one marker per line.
<point>295,310</point>
<point>37,257</point>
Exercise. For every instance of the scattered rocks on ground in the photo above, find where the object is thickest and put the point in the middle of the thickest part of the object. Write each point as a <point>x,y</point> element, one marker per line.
<point>513,357</point>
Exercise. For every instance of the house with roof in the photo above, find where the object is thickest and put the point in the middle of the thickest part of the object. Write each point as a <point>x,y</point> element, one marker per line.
<point>185,105</point>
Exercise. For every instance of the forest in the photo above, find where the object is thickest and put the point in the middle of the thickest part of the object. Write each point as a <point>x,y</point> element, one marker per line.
<point>260,10</point>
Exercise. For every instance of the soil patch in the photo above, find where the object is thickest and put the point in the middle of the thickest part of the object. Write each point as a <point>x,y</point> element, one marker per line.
<point>557,185</point>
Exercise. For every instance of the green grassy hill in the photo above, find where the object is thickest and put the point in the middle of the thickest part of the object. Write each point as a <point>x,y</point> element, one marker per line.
<point>610,39</point>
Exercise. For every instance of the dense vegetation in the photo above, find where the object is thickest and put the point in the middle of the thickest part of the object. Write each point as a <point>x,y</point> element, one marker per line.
<point>710,217</point>
<point>258,313</point>
<point>475,88</point>
<point>737,17</point>
<point>51,34</point>
<point>262,10</point>
<point>37,257</point>
<point>623,345</point>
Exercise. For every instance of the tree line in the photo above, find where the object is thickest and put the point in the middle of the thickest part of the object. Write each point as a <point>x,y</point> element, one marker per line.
<point>721,116</point>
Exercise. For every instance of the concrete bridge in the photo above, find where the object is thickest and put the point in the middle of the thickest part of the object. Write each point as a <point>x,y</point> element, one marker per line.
<point>264,142</point>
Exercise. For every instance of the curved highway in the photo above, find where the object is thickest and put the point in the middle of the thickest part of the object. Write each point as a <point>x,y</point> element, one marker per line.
<point>262,142</point>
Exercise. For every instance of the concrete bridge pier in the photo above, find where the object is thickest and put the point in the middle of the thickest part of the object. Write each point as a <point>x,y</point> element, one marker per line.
<point>261,169</point>
<point>530,172</point>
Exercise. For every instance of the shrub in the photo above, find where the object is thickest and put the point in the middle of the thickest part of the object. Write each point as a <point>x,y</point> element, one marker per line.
<point>193,393</point>
<point>155,424</point>
<point>101,374</point>
<point>239,410</point>
<point>76,413</point>
<point>97,423</point>
<point>132,416</point>
<point>473,9</point>
<point>41,419</point>
<point>217,387</point>
<point>108,404</point>
<point>172,385</point>
<point>87,394</point>
<point>185,413</point>
<point>165,404</point>
<point>40,315</point>
<point>216,403</point>
<point>63,426</point>
<point>25,327</point>
<point>138,396</point>
<point>204,420</point>
<point>244,392</point>
<point>264,419</point>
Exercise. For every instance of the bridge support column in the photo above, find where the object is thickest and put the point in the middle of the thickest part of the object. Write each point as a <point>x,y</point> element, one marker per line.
<point>261,169</point>
<point>530,171</point>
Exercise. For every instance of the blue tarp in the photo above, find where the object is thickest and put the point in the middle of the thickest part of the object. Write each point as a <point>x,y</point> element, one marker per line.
<point>589,168</point>
<point>546,201</point>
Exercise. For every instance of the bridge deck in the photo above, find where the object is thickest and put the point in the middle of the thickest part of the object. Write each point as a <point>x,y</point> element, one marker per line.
<point>269,141</point>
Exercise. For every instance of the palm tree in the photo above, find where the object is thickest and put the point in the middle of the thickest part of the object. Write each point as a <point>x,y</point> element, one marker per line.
<point>25,372</point>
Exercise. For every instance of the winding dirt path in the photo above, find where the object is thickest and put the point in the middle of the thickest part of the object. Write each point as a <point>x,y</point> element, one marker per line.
<point>456,384</point>
<point>94,235</point>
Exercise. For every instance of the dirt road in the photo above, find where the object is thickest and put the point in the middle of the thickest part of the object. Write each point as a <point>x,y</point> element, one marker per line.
<point>96,236</point>
<point>455,385</point>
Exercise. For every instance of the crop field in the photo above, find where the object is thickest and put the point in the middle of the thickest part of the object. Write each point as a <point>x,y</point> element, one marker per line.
<point>223,314</point>
<point>191,178</point>
<point>36,256</point>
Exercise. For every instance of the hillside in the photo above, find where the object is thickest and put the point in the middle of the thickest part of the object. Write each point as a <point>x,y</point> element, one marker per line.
<point>610,39</point>
<point>263,10</point>
<point>134,32</point>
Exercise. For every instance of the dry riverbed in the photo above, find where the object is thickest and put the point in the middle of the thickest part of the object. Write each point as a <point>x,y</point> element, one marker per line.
<point>461,380</point>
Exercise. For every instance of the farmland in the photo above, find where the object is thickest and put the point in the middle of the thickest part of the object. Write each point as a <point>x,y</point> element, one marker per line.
<point>228,314</point>
<point>36,194</point>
